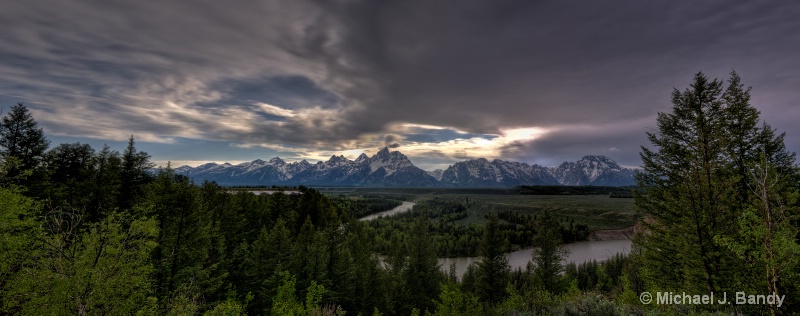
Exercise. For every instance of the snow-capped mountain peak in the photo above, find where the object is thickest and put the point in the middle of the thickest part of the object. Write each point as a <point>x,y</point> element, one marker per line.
<point>383,152</point>
<point>337,161</point>
<point>277,161</point>
<point>592,170</point>
<point>393,168</point>
<point>497,173</point>
<point>389,161</point>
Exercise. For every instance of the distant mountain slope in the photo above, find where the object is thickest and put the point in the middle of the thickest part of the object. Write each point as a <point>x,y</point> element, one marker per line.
<point>436,174</point>
<point>497,173</point>
<point>393,169</point>
<point>593,170</point>
<point>384,169</point>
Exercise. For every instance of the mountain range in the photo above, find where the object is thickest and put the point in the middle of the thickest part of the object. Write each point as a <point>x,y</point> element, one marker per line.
<point>394,169</point>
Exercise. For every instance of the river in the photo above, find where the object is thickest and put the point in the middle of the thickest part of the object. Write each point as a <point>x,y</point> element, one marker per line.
<point>406,206</point>
<point>579,252</point>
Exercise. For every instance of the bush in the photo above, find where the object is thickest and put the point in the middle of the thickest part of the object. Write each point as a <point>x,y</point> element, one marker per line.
<point>592,304</point>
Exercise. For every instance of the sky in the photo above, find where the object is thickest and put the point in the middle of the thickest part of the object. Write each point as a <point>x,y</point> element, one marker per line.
<point>441,81</point>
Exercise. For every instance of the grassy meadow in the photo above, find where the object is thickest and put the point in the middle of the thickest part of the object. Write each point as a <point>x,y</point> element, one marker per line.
<point>598,211</point>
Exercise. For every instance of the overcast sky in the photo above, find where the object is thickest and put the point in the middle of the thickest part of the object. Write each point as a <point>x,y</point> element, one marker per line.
<point>441,81</point>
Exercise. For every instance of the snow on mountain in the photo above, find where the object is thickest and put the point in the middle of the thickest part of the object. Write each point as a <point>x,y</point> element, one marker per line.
<point>393,169</point>
<point>497,173</point>
<point>593,170</point>
<point>436,174</point>
<point>390,162</point>
<point>294,168</point>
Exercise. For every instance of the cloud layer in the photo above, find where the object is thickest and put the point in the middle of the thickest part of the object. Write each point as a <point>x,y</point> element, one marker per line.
<point>538,81</point>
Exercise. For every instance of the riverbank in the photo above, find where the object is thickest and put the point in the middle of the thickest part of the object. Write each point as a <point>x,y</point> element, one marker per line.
<point>406,206</point>
<point>612,234</point>
<point>620,234</point>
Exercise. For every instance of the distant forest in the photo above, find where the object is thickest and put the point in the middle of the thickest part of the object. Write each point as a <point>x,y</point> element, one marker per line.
<point>86,231</point>
<point>614,192</point>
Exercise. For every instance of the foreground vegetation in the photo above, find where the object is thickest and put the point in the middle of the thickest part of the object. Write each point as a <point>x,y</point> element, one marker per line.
<point>96,232</point>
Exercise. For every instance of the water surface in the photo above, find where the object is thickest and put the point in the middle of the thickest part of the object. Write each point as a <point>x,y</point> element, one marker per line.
<point>579,252</point>
<point>406,206</point>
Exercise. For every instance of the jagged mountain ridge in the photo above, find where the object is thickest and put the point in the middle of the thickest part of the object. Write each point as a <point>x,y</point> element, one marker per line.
<point>394,169</point>
<point>497,173</point>
<point>384,169</point>
<point>593,170</point>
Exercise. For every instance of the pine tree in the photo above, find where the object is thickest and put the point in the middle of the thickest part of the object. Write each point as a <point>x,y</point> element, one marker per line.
<point>493,268</point>
<point>134,176</point>
<point>21,137</point>
<point>22,148</point>
<point>547,255</point>
<point>746,142</point>
<point>369,281</point>
<point>422,275</point>
<point>268,256</point>
<point>310,262</point>
<point>695,185</point>
<point>184,240</point>
<point>686,190</point>
<point>71,172</point>
<point>106,182</point>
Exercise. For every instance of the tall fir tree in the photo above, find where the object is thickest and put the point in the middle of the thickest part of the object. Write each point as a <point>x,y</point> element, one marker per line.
<point>696,183</point>
<point>106,182</point>
<point>421,275</point>
<point>311,259</point>
<point>493,268</point>
<point>71,171</point>
<point>369,282</point>
<point>746,142</point>
<point>22,149</point>
<point>684,189</point>
<point>135,167</point>
<point>261,270</point>
<point>181,257</point>
<point>547,255</point>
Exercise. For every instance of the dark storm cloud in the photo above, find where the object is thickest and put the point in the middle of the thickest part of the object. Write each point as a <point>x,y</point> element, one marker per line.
<point>333,75</point>
<point>289,92</point>
<point>487,65</point>
<point>621,142</point>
